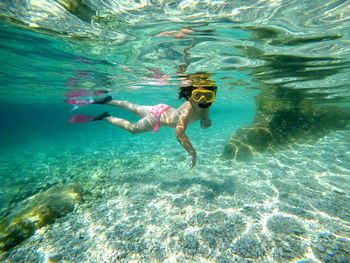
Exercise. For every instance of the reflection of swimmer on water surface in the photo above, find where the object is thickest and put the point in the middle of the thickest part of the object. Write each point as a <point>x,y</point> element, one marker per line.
<point>183,32</point>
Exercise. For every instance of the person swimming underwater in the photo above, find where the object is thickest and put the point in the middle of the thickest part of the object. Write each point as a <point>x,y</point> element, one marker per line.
<point>198,91</point>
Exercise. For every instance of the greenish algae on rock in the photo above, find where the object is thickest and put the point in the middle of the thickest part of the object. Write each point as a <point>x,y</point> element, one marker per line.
<point>286,111</point>
<point>37,211</point>
<point>281,121</point>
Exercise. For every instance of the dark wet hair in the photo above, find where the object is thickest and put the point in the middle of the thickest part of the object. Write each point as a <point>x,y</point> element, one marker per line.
<point>185,92</point>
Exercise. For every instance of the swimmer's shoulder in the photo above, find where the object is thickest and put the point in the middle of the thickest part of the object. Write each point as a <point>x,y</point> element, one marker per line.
<point>186,106</point>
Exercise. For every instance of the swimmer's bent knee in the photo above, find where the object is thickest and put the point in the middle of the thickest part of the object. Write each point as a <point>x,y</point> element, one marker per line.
<point>135,131</point>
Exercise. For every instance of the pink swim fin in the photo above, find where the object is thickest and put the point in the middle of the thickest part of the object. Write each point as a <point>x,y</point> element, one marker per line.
<point>79,101</point>
<point>80,118</point>
<point>78,93</point>
<point>81,93</point>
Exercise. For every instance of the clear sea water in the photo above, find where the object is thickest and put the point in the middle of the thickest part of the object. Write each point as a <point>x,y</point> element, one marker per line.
<point>143,201</point>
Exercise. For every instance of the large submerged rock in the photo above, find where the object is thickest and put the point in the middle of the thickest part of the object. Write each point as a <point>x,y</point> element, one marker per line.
<point>283,117</point>
<point>37,211</point>
<point>286,110</point>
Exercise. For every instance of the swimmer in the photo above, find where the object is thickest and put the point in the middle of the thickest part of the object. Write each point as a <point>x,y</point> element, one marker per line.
<point>198,91</point>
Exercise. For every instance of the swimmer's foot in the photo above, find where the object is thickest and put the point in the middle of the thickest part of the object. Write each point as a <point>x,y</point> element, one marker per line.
<point>101,92</point>
<point>101,116</point>
<point>82,101</point>
<point>76,93</point>
<point>103,100</point>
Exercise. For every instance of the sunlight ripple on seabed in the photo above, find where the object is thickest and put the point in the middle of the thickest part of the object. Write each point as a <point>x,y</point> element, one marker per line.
<point>270,209</point>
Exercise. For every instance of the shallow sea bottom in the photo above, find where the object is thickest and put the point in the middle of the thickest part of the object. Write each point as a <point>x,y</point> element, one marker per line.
<point>287,206</point>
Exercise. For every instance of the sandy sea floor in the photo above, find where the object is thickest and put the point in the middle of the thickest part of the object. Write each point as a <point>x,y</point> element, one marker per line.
<point>282,207</point>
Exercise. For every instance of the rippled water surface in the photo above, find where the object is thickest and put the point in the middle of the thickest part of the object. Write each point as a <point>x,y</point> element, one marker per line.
<point>94,193</point>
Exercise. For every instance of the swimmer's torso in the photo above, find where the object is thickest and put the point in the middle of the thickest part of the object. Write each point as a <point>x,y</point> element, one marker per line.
<point>171,116</point>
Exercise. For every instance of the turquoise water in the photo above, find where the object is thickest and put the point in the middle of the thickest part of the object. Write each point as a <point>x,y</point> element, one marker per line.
<point>141,201</point>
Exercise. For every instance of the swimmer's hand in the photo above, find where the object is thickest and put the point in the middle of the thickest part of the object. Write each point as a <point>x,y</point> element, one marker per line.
<point>193,159</point>
<point>205,123</point>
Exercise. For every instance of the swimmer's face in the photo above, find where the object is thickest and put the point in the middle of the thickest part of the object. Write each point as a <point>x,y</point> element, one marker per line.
<point>202,97</point>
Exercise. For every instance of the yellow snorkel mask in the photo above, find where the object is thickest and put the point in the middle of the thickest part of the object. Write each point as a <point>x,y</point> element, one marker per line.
<point>198,94</point>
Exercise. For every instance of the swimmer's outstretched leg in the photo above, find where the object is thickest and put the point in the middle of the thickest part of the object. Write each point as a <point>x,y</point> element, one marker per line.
<point>103,100</point>
<point>101,116</point>
<point>144,125</point>
<point>139,110</point>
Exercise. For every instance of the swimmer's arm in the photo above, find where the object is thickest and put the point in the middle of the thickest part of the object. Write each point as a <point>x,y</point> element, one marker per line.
<point>182,137</point>
<point>205,121</point>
